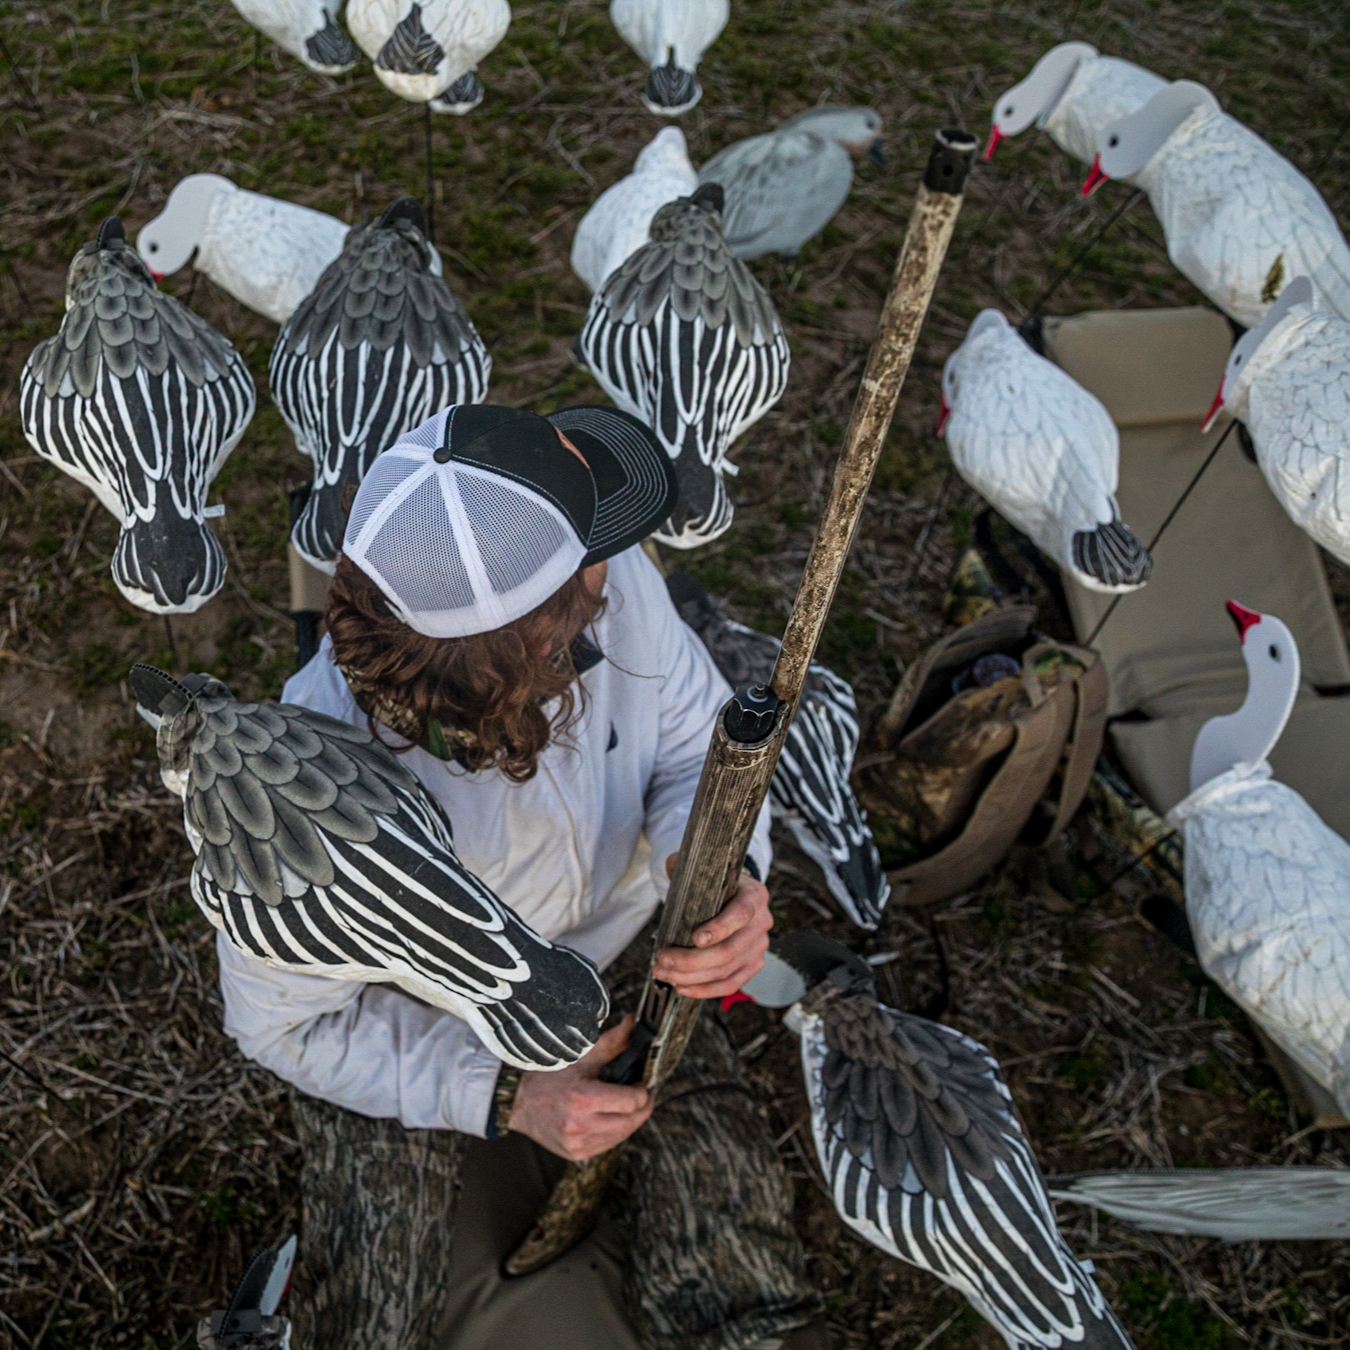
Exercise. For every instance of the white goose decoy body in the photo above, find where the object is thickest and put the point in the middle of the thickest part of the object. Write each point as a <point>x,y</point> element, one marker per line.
<point>319,852</point>
<point>923,1154</point>
<point>671,37</point>
<point>1042,451</point>
<point>1239,218</point>
<point>1071,93</point>
<point>377,347</point>
<point>810,790</point>
<point>682,336</point>
<point>1267,883</point>
<point>427,51</point>
<point>1288,381</point>
<point>618,222</point>
<point>784,187</point>
<point>265,252</point>
<point>308,29</point>
<point>141,401</point>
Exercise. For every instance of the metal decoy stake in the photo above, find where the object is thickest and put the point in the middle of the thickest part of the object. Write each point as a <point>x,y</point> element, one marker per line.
<point>749,735</point>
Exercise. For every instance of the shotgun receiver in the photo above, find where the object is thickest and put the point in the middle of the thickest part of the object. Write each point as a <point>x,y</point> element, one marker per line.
<point>749,733</point>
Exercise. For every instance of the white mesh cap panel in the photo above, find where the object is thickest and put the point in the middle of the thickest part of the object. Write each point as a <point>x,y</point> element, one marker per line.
<point>516,535</point>
<point>417,556</point>
<point>387,473</point>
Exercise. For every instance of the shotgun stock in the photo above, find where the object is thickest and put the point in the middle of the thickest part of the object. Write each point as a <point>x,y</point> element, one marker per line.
<point>749,734</point>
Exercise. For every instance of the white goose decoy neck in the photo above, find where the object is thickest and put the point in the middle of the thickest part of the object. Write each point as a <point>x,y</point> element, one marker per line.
<point>1250,349</point>
<point>1242,740</point>
<point>1125,146</point>
<point>169,241</point>
<point>1035,98</point>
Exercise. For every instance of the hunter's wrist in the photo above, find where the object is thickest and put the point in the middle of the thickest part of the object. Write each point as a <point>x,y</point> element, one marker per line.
<point>503,1101</point>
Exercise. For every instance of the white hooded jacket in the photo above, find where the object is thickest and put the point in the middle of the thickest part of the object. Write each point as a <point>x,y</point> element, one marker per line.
<point>578,852</point>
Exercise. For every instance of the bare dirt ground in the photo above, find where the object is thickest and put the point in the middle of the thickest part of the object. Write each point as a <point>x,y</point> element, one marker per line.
<point>141,1157</point>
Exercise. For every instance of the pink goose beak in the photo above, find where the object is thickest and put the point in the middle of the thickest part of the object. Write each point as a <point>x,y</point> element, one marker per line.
<point>731,1000</point>
<point>1215,409</point>
<point>1096,177</point>
<point>944,416</point>
<point>1242,617</point>
<point>995,137</point>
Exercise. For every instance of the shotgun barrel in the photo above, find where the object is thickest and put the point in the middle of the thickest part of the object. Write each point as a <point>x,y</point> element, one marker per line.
<point>749,734</point>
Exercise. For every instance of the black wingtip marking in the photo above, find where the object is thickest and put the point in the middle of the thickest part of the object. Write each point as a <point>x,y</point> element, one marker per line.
<point>110,233</point>
<point>467,90</point>
<point>671,88</point>
<point>710,196</point>
<point>157,692</point>
<point>403,210</point>
<point>1112,554</point>
<point>330,46</point>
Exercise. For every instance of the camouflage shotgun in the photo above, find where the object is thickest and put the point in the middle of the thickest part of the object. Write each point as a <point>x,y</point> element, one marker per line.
<point>749,734</point>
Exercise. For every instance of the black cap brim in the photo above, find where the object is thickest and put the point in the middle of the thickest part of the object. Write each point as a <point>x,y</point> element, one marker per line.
<point>635,482</point>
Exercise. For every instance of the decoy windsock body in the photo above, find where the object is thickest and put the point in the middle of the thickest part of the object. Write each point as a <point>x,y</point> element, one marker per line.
<point>1239,219</point>
<point>267,253</point>
<point>1042,451</point>
<point>378,346</point>
<point>784,187</point>
<point>682,336</point>
<point>618,223</point>
<point>141,401</point>
<point>923,1154</point>
<point>308,29</point>
<point>671,37</point>
<point>810,790</point>
<point>319,852</point>
<point>428,52</point>
<point>1267,882</point>
<point>1071,93</point>
<point>1288,381</point>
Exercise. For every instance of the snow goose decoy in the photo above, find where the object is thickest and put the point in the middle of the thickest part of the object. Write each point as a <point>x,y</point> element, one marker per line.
<point>1071,93</point>
<point>250,1320</point>
<point>784,187</point>
<point>429,52</point>
<point>617,224</point>
<point>810,791</point>
<point>308,29</point>
<point>1267,883</point>
<point>684,338</point>
<point>1239,218</point>
<point>671,37</point>
<point>1288,380</point>
<point>922,1152</point>
<point>319,852</point>
<point>141,401</point>
<point>377,347</point>
<point>265,252</point>
<point>1042,451</point>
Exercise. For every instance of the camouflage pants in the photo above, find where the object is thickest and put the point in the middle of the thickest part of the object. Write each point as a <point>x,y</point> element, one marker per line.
<point>702,1207</point>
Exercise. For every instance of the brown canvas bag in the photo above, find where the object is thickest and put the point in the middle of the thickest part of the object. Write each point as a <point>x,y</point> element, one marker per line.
<point>958,776</point>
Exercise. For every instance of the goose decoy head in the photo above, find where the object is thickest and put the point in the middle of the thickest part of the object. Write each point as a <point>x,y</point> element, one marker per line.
<point>1034,98</point>
<point>1297,292</point>
<point>800,962</point>
<point>403,211</point>
<point>168,241</point>
<point>169,706</point>
<point>710,198</point>
<point>1125,146</point>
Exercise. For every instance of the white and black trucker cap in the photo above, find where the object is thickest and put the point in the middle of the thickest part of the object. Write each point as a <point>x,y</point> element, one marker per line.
<point>480,514</point>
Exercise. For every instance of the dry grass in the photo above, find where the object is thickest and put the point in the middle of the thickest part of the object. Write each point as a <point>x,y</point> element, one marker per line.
<point>154,1158</point>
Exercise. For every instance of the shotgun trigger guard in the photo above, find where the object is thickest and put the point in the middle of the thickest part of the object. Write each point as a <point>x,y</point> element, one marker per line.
<point>629,1067</point>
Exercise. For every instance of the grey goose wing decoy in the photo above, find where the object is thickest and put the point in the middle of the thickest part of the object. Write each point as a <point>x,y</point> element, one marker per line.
<point>923,1154</point>
<point>141,401</point>
<point>783,187</point>
<point>683,337</point>
<point>810,790</point>
<point>319,852</point>
<point>377,347</point>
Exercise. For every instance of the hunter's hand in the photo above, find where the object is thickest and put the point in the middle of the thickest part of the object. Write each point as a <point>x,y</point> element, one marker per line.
<point>727,951</point>
<point>572,1113</point>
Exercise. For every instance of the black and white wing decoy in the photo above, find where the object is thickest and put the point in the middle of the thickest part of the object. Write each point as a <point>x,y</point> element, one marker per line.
<point>379,346</point>
<point>141,401</point>
<point>318,852</point>
<point>250,1320</point>
<point>810,790</point>
<point>682,336</point>
<point>915,1130</point>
